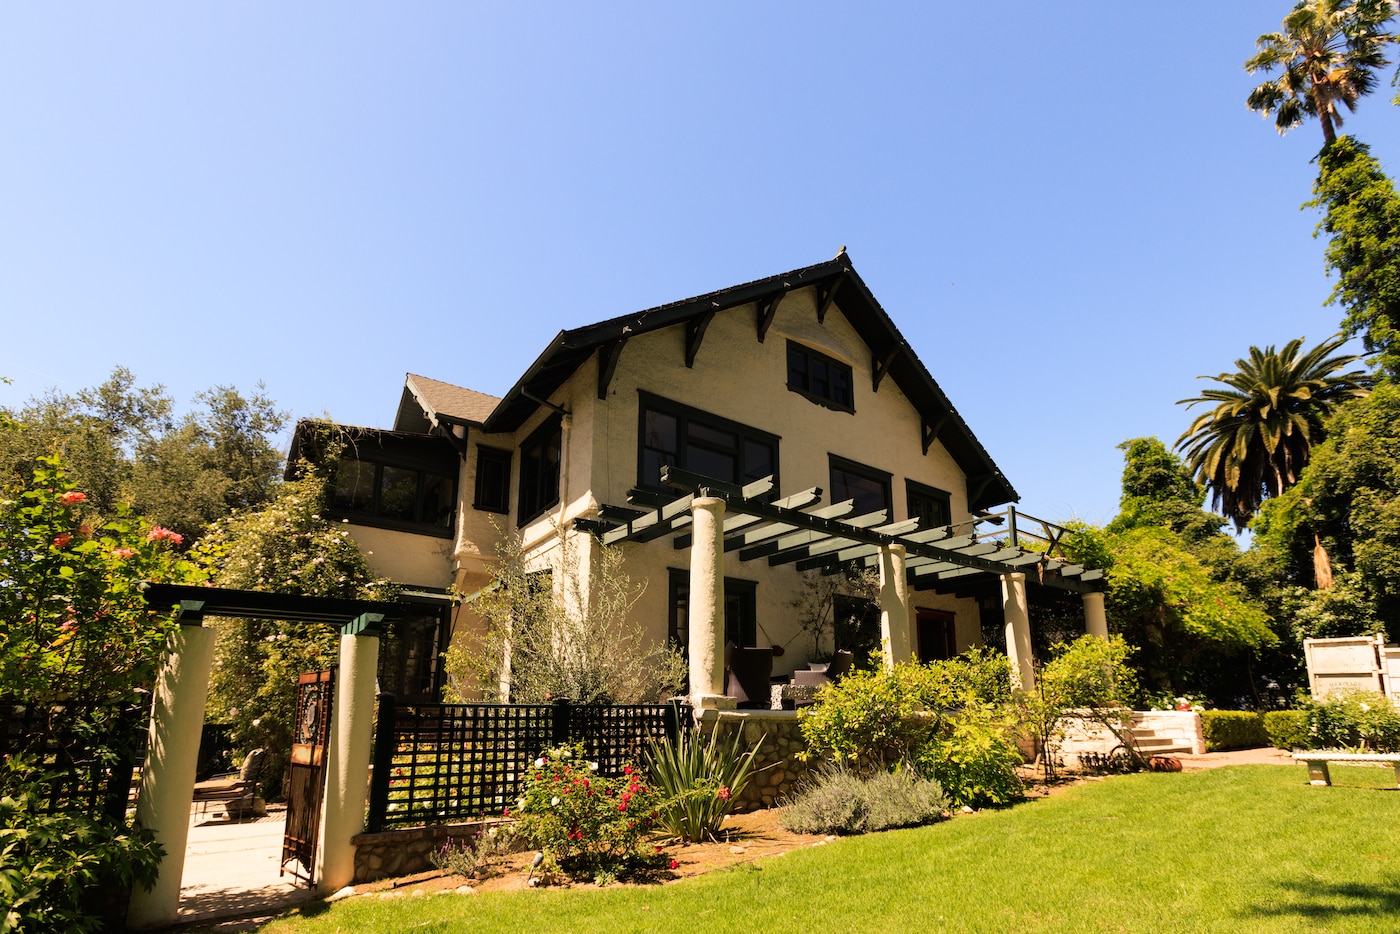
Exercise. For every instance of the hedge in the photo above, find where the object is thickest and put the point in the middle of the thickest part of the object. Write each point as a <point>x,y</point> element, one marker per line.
<point>1287,729</point>
<point>1233,729</point>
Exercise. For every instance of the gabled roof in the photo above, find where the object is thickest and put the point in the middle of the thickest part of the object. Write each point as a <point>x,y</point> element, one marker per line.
<point>835,280</point>
<point>441,401</point>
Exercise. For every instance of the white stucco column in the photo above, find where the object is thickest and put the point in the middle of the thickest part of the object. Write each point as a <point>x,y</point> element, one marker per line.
<point>894,606</point>
<point>706,623</point>
<point>347,761</point>
<point>1095,620</point>
<point>1018,629</point>
<point>167,779</point>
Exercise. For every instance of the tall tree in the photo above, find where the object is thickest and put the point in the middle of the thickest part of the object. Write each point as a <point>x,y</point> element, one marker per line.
<point>1270,413</point>
<point>123,444</point>
<point>1327,55</point>
<point>1348,499</point>
<point>1363,221</point>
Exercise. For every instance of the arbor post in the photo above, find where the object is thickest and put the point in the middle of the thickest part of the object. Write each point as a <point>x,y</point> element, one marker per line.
<point>1018,629</point>
<point>167,779</point>
<point>894,606</point>
<point>347,761</point>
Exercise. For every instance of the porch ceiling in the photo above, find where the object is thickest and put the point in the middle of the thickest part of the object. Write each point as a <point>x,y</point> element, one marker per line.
<point>795,530</point>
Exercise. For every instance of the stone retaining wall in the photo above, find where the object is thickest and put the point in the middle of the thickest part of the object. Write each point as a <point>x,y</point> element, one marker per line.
<point>393,853</point>
<point>777,770</point>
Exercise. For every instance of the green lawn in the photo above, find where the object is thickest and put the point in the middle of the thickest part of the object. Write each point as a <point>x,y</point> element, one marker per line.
<point>1249,848</point>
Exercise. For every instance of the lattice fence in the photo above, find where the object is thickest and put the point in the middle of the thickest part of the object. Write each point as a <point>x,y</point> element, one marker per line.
<point>443,763</point>
<point>90,754</point>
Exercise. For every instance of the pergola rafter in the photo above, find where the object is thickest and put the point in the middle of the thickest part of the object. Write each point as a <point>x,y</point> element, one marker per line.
<point>795,530</point>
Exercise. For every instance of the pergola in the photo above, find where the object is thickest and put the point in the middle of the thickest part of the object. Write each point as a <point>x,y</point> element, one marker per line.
<point>712,517</point>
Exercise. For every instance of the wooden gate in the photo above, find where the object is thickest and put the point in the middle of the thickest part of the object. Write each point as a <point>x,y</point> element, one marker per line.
<point>307,774</point>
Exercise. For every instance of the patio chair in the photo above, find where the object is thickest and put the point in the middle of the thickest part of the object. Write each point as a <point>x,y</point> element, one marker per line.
<point>841,663</point>
<point>234,786</point>
<point>748,677</point>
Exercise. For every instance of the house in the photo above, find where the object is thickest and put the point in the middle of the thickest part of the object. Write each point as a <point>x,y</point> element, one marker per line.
<point>802,377</point>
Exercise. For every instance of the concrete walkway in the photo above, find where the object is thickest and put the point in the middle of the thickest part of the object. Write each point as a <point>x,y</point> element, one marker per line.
<point>231,871</point>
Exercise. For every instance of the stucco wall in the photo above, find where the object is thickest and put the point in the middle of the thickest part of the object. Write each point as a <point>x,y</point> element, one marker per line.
<point>405,557</point>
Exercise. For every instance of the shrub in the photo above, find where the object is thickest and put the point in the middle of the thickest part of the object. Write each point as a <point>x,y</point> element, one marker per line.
<point>871,719</point>
<point>974,757</point>
<point>60,872</point>
<point>586,823</point>
<point>1361,720</point>
<point>840,801</point>
<point>1287,729</point>
<point>1233,729</point>
<point>698,781</point>
<point>471,856</point>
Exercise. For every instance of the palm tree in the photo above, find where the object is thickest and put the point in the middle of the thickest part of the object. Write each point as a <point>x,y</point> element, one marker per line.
<point>1327,55</point>
<point>1257,439</point>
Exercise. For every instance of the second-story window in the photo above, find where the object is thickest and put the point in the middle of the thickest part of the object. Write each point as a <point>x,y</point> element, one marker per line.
<point>412,498</point>
<point>539,470</point>
<point>675,435</point>
<point>931,506</point>
<point>492,480</point>
<point>870,488</point>
<point>822,379</point>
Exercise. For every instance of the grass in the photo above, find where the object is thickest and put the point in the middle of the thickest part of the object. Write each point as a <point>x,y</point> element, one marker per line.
<point>1249,848</point>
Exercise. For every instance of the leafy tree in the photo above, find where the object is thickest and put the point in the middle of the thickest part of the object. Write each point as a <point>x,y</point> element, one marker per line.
<point>288,548</point>
<point>123,445</point>
<point>560,631</point>
<point>1171,576</point>
<point>1254,443</point>
<point>1347,502</point>
<point>1326,55</point>
<point>1158,490</point>
<point>74,626</point>
<point>1363,223</point>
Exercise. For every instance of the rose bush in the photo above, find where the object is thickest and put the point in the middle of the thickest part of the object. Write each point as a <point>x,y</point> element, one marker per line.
<point>588,824</point>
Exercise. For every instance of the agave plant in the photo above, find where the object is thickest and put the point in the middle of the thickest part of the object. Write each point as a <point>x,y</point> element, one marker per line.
<point>698,781</point>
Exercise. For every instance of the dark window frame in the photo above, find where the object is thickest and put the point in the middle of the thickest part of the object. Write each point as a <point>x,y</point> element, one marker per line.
<point>373,517</point>
<point>742,632</point>
<point>799,380</point>
<point>546,485</point>
<point>855,468</point>
<point>685,416</point>
<point>914,490</point>
<point>503,458</point>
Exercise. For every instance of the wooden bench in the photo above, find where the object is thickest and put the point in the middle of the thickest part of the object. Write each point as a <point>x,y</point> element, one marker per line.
<point>1317,759</point>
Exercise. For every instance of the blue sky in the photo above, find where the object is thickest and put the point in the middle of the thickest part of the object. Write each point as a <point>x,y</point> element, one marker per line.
<point>1066,207</point>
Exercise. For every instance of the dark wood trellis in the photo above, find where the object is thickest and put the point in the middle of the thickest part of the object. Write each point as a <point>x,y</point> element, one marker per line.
<point>443,763</point>
<point>89,754</point>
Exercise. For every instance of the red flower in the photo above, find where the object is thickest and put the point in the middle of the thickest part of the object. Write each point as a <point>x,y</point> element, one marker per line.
<point>723,793</point>
<point>62,539</point>
<point>122,553</point>
<point>675,864</point>
<point>506,813</point>
<point>72,498</point>
<point>627,770</point>
<point>159,532</point>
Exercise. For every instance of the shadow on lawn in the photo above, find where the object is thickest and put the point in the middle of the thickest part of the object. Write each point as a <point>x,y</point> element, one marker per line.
<point>1311,899</point>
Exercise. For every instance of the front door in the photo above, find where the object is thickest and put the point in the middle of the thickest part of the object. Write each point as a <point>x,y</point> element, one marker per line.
<point>307,774</point>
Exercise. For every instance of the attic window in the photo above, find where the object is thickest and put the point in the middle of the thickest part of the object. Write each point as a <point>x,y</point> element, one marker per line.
<point>822,379</point>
